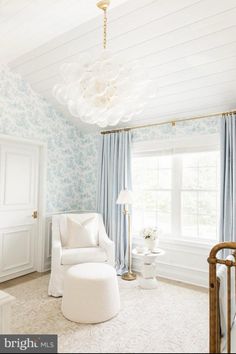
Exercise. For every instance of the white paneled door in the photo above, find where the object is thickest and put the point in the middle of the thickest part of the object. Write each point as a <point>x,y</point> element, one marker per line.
<point>19,178</point>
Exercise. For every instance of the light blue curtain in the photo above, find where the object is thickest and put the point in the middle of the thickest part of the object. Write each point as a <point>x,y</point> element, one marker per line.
<point>228,179</point>
<point>115,175</point>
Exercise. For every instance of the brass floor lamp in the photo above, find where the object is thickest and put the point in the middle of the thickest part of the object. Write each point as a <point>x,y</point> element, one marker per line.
<point>125,198</point>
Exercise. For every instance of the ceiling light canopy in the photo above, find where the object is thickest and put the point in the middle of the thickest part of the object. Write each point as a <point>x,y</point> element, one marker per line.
<point>104,91</point>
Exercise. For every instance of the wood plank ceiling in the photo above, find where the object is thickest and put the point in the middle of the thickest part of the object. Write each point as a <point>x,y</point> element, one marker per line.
<point>189,47</point>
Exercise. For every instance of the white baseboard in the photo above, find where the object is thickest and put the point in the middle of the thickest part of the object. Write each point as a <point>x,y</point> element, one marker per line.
<point>178,273</point>
<point>183,261</point>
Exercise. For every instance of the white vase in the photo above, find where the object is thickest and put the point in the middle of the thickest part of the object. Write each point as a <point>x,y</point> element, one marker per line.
<point>151,244</point>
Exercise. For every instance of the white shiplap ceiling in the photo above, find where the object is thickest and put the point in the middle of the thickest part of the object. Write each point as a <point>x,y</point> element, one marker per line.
<point>27,24</point>
<point>189,46</point>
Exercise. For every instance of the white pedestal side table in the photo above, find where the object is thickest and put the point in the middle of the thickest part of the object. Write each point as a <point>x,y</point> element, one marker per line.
<point>148,278</point>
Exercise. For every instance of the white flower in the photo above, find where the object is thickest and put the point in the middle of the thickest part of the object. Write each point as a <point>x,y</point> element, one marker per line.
<point>150,233</point>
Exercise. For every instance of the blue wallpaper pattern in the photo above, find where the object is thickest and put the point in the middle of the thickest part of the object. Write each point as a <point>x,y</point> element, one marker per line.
<point>72,155</point>
<point>89,170</point>
<point>25,114</point>
<point>181,129</point>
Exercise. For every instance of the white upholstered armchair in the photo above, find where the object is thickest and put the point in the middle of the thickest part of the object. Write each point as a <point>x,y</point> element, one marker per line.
<point>102,249</point>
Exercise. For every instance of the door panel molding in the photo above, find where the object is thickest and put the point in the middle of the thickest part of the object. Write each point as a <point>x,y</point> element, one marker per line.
<point>9,251</point>
<point>6,162</point>
<point>8,152</point>
<point>31,254</point>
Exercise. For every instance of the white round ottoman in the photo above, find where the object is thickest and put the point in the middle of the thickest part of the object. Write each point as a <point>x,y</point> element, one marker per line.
<point>91,293</point>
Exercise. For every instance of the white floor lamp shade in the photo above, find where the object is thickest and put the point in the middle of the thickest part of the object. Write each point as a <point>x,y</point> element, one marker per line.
<point>125,197</point>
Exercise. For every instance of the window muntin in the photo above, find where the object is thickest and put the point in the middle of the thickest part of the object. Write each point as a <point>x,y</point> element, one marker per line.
<point>177,194</point>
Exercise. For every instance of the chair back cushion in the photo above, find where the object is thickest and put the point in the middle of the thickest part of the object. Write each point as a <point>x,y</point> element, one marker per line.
<point>79,230</point>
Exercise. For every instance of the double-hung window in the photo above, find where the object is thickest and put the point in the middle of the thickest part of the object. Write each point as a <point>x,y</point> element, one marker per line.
<point>177,190</point>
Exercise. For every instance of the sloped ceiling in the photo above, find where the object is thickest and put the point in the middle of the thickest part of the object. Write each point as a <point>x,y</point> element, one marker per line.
<point>189,46</point>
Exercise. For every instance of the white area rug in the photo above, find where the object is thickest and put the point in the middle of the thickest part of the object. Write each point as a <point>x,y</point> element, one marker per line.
<point>170,319</point>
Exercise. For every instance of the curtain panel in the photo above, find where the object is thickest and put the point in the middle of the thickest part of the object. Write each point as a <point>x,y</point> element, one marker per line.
<point>115,175</point>
<point>228,179</point>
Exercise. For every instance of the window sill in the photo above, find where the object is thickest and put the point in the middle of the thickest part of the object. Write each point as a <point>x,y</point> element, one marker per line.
<point>137,240</point>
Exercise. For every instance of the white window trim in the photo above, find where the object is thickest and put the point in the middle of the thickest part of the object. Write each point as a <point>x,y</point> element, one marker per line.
<point>195,143</point>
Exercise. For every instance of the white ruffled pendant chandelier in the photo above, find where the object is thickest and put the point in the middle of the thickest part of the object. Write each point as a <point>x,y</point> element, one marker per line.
<point>104,91</point>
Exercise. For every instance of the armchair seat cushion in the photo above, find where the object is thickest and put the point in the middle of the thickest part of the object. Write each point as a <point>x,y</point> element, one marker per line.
<point>83,255</point>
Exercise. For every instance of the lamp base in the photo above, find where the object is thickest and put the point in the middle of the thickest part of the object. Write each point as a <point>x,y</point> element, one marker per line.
<point>129,276</point>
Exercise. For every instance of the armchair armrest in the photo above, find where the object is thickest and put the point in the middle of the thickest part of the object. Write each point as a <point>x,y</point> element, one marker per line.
<point>107,244</point>
<point>56,280</point>
<point>109,247</point>
<point>56,253</point>
<point>56,243</point>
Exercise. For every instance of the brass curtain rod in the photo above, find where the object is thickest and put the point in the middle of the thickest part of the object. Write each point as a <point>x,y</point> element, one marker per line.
<point>172,121</point>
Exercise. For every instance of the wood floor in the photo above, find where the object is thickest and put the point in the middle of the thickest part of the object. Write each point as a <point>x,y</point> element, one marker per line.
<point>21,280</point>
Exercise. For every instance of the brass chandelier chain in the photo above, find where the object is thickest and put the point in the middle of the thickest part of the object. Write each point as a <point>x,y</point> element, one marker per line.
<point>105,30</point>
<point>103,5</point>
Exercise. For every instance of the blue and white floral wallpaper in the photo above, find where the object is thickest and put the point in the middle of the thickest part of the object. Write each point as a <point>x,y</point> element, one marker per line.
<point>89,153</point>
<point>25,114</point>
<point>181,129</point>
<point>72,155</point>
